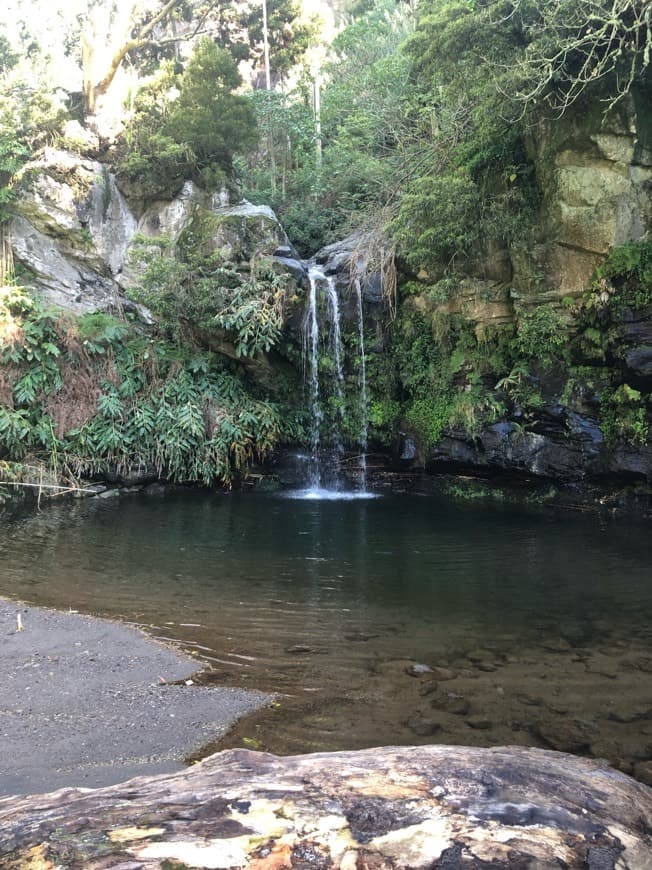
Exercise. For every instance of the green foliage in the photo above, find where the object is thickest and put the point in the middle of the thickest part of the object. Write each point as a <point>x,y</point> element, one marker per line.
<point>188,124</point>
<point>90,395</point>
<point>626,275</point>
<point>383,413</point>
<point>437,220</point>
<point>288,35</point>
<point>444,376</point>
<point>322,195</point>
<point>624,416</point>
<point>428,418</point>
<point>541,335</point>
<point>12,156</point>
<point>197,289</point>
<point>621,283</point>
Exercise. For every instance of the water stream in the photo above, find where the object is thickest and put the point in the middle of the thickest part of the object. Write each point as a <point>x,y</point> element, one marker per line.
<point>312,345</point>
<point>364,412</point>
<point>336,351</point>
<point>336,489</point>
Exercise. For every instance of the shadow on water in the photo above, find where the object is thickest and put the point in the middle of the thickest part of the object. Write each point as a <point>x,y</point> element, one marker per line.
<point>526,619</point>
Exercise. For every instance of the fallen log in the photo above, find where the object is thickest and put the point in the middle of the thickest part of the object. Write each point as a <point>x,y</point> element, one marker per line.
<point>442,807</point>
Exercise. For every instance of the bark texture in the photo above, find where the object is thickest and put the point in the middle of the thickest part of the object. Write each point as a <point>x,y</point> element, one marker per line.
<point>415,807</point>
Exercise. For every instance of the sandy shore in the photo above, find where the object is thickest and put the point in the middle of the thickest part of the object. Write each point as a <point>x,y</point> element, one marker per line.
<point>88,702</point>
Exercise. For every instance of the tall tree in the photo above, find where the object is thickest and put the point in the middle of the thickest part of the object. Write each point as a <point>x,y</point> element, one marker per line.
<point>112,30</point>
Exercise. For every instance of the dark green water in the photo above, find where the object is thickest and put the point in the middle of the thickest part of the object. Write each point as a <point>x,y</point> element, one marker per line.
<point>321,597</point>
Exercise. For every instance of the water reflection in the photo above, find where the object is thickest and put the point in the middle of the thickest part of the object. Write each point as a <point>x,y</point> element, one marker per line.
<point>260,574</point>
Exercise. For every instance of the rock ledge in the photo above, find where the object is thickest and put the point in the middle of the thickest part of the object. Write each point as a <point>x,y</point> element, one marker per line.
<point>417,807</point>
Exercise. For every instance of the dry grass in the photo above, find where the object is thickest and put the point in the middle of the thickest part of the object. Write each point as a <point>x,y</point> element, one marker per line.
<point>8,377</point>
<point>76,402</point>
<point>374,253</point>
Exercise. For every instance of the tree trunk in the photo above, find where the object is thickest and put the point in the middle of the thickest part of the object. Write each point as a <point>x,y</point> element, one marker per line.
<point>419,807</point>
<point>6,254</point>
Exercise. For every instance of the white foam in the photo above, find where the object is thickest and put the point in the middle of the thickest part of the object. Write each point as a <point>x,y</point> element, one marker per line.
<point>317,493</point>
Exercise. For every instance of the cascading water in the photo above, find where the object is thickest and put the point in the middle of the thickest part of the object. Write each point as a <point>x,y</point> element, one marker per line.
<point>363,387</point>
<point>336,350</point>
<point>316,489</point>
<point>312,344</point>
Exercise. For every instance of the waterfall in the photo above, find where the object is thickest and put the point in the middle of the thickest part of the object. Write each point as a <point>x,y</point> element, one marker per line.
<point>312,348</point>
<point>317,489</point>
<point>363,387</point>
<point>336,350</point>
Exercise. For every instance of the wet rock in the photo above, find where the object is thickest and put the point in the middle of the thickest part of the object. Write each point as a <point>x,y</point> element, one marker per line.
<point>627,716</point>
<point>479,655</point>
<point>487,667</point>
<point>409,451</point>
<point>609,749</point>
<point>572,735</point>
<point>428,688</point>
<point>424,727</point>
<point>643,772</point>
<point>557,645</point>
<point>304,649</point>
<point>418,670</point>
<point>109,493</point>
<point>479,723</point>
<point>443,674</point>
<point>639,361</point>
<point>451,702</point>
<point>94,489</point>
<point>294,267</point>
<point>603,666</point>
<point>136,476</point>
<point>529,700</point>
<point>638,663</point>
<point>155,489</point>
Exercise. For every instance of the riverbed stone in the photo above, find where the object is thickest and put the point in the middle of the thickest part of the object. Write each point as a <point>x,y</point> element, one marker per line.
<point>451,702</point>
<point>443,674</point>
<point>567,735</point>
<point>479,656</point>
<point>109,493</point>
<point>479,723</point>
<point>418,670</point>
<point>428,688</point>
<point>487,667</point>
<point>424,727</point>
<point>643,772</point>
<point>635,714</point>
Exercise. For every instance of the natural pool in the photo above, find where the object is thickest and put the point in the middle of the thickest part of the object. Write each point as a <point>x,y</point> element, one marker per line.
<point>535,623</point>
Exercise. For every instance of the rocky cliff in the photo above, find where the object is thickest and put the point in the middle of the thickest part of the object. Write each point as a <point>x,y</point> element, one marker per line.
<point>76,236</point>
<point>553,336</point>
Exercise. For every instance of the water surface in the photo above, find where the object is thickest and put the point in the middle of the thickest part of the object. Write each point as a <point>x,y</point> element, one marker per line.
<point>329,601</point>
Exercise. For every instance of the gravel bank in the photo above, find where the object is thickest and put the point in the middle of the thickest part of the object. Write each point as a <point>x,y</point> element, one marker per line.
<point>87,702</point>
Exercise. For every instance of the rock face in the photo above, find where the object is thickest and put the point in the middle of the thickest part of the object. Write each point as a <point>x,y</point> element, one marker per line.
<point>559,445</point>
<point>596,177</point>
<point>420,807</point>
<point>76,235</point>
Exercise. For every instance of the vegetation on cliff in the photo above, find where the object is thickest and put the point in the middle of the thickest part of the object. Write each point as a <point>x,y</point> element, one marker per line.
<point>439,130</point>
<point>96,394</point>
